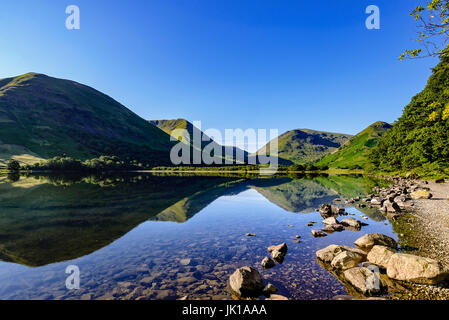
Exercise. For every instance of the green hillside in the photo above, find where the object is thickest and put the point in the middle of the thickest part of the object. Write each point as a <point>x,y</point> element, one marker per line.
<point>43,117</point>
<point>420,137</point>
<point>169,126</point>
<point>354,153</point>
<point>305,145</point>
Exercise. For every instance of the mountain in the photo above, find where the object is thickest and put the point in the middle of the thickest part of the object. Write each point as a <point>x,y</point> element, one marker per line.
<point>169,126</point>
<point>305,145</point>
<point>420,137</point>
<point>354,153</point>
<point>43,117</point>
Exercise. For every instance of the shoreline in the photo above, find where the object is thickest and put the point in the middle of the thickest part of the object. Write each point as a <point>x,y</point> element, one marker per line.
<point>424,231</point>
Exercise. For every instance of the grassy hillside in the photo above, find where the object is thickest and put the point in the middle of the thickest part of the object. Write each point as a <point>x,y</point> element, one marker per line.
<point>43,117</point>
<point>419,140</point>
<point>305,145</point>
<point>354,152</point>
<point>169,126</point>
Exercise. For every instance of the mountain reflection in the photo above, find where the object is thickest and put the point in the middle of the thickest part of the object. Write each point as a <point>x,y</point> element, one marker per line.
<point>51,218</point>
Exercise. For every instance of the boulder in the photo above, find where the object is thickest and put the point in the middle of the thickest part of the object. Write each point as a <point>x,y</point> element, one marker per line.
<point>278,252</point>
<point>333,228</point>
<point>326,210</point>
<point>318,233</point>
<point>337,210</point>
<point>347,260</point>
<point>278,256</point>
<point>420,194</point>
<point>281,248</point>
<point>330,252</point>
<point>330,221</point>
<point>267,263</point>
<point>246,282</point>
<point>363,280</point>
<point>351,222</point>
<point>380,255</point>
<point>411,268</point>
<point>368,241</point>
<point>391,206</point>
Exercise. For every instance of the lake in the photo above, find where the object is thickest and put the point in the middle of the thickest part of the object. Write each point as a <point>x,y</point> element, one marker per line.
<point>143,236</point>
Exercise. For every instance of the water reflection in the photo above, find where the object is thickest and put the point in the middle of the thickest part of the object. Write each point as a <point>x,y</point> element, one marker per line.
<point>46,219</point>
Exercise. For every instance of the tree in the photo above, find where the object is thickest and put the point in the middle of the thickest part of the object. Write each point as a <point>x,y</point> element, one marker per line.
<point>13,166</point>
<point>433,30</point>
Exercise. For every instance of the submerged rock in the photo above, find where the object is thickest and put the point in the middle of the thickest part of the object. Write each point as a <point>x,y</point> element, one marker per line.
<point>246,282</point>
<point>368,241</point>
<point>407,267</point>
<point>318,234</point>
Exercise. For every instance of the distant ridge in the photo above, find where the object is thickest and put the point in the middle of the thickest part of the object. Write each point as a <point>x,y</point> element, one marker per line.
<point>306,145</point>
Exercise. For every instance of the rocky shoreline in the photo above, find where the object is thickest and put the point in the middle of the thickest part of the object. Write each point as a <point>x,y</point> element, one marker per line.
<point>419,213</point>
<point>378,267</point>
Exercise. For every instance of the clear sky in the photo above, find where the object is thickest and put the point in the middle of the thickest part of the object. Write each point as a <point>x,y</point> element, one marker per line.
<point>229,63</point>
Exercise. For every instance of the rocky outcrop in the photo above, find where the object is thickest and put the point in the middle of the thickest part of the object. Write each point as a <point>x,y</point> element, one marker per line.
<point>407,267</point>
<point>246,282</point>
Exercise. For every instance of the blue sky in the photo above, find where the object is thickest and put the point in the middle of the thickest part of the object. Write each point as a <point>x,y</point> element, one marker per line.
<point>231,64</point>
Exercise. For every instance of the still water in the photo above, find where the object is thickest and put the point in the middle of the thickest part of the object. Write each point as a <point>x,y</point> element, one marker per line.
<point>153,237</point>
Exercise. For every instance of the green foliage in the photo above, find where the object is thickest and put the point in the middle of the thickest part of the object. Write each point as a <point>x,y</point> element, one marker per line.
<point>296,167</point>
<point>13,166</point>
<point>354,153</point>
<point>103,163</point>
<point>420,138</point>
<point>433,25</point>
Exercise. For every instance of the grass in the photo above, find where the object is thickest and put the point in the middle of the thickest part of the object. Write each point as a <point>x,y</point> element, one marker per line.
<point>354,153</point>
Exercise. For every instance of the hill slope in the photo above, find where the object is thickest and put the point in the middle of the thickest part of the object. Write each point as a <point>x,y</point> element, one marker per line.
<point>354,152</point>
<point>169,126</point>
<point>50,117</point>
<point>305,145</point>
<point>420,137</point>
